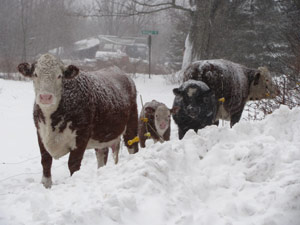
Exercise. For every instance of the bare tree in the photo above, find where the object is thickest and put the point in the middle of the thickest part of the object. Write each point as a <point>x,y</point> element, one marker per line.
<point>24,29</point>
<point>115,17</point>
<point>8,34</point>
<point>30,27</point>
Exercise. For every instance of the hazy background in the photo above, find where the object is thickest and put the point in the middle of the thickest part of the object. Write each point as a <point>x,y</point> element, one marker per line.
<point>250,32</point>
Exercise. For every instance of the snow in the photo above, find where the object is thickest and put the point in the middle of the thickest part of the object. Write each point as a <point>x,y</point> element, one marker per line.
<point>187,56</point>
<point>229,69</point>
<point>105,56</point>
<point>86,43</point>
<point>247,175</point>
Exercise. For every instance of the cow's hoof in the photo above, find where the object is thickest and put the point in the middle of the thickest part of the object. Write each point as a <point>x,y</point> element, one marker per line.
<point>47,182</point>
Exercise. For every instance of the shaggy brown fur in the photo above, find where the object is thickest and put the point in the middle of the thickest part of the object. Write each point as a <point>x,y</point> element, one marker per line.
<point>234,82</point>
<point>96,109</point>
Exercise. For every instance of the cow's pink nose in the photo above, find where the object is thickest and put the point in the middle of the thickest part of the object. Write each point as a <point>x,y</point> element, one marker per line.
<point>46,99</point>
<point>163,125</point>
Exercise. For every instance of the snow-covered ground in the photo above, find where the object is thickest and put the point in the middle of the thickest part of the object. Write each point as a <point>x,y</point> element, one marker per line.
<point>249,174</point>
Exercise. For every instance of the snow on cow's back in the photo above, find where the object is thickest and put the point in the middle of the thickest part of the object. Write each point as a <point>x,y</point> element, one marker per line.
<point>228,69</point>
<point>113,73</point>
<point>109,85</point>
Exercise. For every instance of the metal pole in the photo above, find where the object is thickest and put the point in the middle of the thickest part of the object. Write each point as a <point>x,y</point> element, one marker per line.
<point>149,46</point>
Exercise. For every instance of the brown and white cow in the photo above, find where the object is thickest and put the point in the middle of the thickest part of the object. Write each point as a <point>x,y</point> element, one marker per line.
<point>75,111</point>
<point>155,120</point>
<point>233,85</point>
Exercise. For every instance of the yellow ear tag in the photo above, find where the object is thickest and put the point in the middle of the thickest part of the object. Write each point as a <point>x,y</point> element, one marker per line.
<point>134,140</point>
<point>222,100</point>
<point>145,120</point>
<point>267,94</point>
<point>147,134</point>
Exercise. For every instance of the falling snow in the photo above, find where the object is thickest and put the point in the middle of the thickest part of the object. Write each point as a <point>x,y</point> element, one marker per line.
<point>247,175</point>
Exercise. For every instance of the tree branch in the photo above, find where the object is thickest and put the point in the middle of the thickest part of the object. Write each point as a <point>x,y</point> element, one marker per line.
<point>131,9</point>
<point>166,5</point>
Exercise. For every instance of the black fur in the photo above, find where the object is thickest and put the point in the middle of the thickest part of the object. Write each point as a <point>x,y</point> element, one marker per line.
<point>195,111</point>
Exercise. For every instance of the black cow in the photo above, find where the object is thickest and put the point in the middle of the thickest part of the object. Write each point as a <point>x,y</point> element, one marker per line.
<point>194,106</point>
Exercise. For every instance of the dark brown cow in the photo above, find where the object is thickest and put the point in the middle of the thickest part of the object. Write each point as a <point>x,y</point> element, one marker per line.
<point>232,84</point>
<point>75,111</point>
<point>155,120</point>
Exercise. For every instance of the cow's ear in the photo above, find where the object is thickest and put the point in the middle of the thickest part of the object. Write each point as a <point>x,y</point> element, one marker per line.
<point>71,72</point>
<point>26,69</point>
<point>176,91</point>
<point>256,78</point>
<point>174,110</point>
<point>150,110</point>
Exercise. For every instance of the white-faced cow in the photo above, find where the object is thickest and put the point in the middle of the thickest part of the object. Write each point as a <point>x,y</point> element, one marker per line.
<point>232,84</point>
<point>154,122</point>
<point>75,111</point>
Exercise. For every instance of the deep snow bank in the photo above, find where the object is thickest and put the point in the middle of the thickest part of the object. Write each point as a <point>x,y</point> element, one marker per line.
<point>249,174</point>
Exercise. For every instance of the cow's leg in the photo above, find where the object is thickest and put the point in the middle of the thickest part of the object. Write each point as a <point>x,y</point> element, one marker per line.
<point>101,155</point>
<point>115,149</point>
<point>132,130</point>
<point>155,140</point>
<point>46,160</point>
<point>142,142</point>
<point>142,131</point>
<point>76,155</point>
<point>181,133</point>
<point>235,118</point>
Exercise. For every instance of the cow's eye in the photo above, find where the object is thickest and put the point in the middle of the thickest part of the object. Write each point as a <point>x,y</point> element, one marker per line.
<point>59,76</point>
<point>205,100</point>
<point>35,75</point>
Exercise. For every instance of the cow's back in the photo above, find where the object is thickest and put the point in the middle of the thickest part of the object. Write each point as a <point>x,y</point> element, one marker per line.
<point>225,78</point>
<point>115,101</point>
<point>99,102</point>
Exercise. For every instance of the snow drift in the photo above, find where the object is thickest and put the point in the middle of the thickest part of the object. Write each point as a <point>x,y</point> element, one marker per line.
<point>248,175</point>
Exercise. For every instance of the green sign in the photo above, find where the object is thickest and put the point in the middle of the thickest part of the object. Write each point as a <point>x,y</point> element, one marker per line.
<point>150,32</point>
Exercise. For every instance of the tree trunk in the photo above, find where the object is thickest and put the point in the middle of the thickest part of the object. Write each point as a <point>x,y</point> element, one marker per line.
<point>246,32</point>
<point>199,38</point>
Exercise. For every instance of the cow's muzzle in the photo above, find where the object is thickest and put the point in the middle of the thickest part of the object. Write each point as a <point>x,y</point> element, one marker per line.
<point>46,99</point>
<point>193,112</point>
<point>163,125</point>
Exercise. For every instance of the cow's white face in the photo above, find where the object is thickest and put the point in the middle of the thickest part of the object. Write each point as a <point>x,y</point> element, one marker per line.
<point>263,87</point>
<point>47,74</point>
<point>162,118</point>
<point>47,80</point>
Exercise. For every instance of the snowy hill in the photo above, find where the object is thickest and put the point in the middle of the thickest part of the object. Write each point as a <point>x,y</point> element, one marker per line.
<point>247,175</point>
